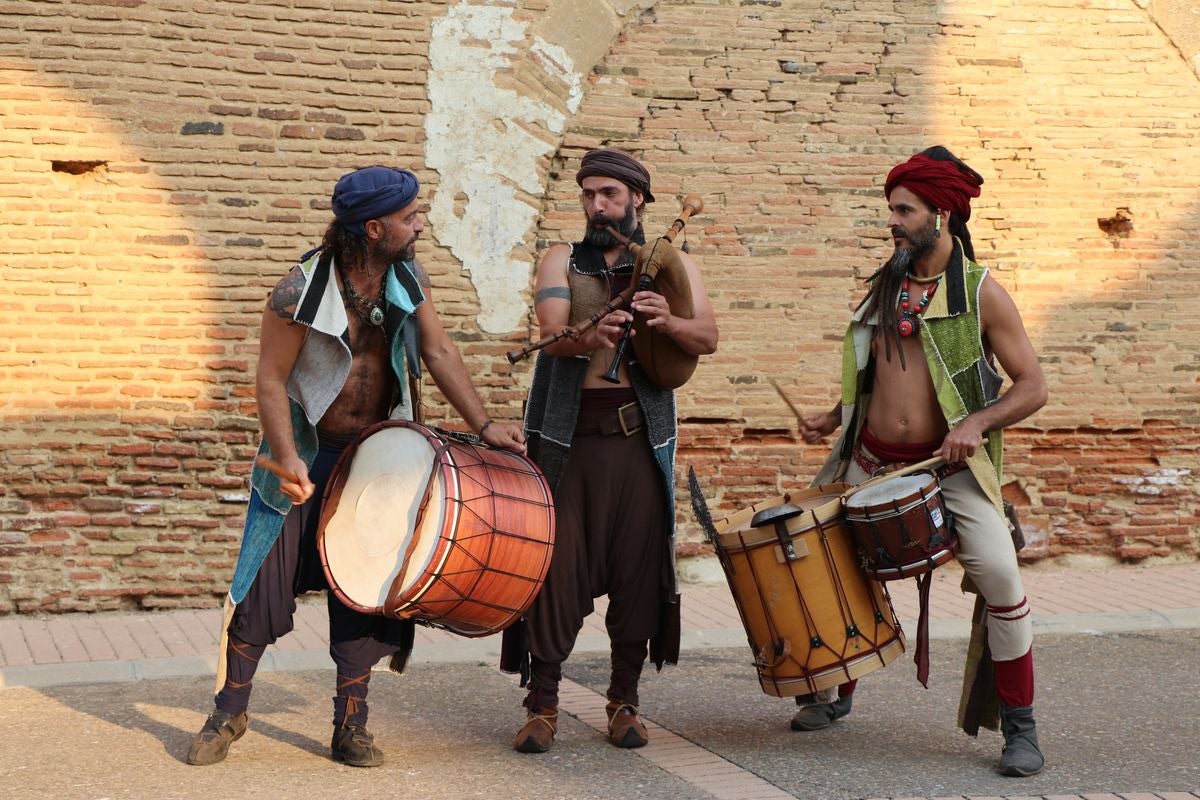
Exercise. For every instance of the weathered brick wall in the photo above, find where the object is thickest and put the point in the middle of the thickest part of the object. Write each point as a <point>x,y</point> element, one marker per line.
<point>160,166</point>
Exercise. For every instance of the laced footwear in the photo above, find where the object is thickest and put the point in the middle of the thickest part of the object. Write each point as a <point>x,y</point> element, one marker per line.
<point>625,728</point>
<point>537,734</point>
<point>354,745</point>
<point>820,715</point>
<point>220,730</point>
<point>1021,757</point>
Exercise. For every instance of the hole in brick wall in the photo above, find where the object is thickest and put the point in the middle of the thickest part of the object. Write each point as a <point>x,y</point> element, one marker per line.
<point>1118,226</point>
<point>77,167</point>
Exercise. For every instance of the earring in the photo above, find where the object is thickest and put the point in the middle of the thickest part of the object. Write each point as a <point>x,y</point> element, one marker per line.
<point>937,226</point>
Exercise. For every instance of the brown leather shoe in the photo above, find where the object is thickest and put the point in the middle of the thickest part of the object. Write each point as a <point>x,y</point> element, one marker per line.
<point>211,744</point>
<point>625,729</point>
<point>537,734</point>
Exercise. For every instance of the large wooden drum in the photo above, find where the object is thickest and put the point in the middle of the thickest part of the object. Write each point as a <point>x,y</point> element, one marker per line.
<point>813,617</point>
<point>418,524</point>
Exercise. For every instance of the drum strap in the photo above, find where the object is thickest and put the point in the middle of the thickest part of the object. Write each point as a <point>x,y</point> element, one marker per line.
<point>921,656</point>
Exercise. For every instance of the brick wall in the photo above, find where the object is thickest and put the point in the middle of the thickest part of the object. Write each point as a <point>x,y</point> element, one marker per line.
<point>162,164</point>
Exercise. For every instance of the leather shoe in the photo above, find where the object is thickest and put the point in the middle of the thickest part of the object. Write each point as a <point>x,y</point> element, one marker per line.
<point>354,745</point>
<point>819,715</point>
<point>625,729</point>
<point>1021,756</point>
<point>220,730</point>
<point>537,734</point>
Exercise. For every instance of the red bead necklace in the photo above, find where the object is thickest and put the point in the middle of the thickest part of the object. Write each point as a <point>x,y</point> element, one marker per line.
<point>910,316</point>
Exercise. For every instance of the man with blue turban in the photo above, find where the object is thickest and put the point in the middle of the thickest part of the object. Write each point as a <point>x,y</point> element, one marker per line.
<point>343,335</point>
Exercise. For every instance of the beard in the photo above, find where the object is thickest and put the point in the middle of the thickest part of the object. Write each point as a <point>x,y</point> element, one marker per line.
<point>920,243</point>
<point>597,234</point>
<point>391,251</point>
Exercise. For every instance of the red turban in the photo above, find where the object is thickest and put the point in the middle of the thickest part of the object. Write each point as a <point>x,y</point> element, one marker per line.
<point>939,183</point>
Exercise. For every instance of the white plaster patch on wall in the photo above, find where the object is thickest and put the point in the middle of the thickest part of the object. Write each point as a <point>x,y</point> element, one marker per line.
<point>478,140</point>
<point>556,62</point>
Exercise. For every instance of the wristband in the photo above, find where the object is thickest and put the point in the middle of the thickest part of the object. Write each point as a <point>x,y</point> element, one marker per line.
<point>484,427</point>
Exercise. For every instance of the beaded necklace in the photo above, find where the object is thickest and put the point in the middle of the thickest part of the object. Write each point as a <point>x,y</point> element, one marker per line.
<point>367,310</point>
<point>910,317</point>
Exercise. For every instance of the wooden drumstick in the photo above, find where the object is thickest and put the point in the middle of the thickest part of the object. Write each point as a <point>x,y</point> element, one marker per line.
<point>790,404</point>
<point>281,472</point>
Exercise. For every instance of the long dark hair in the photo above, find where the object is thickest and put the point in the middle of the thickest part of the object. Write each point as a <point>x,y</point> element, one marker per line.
<point>885,282</point>
<point>349,249</point>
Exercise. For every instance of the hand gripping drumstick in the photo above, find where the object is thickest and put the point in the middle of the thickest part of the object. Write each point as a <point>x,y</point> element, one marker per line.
<point>281,472</point>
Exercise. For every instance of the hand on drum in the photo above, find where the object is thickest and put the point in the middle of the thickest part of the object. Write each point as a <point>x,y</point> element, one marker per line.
<point>504,435</point>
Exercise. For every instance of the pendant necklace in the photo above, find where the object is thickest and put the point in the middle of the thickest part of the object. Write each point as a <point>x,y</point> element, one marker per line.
<point>910,316</point>
<point>366,310</point>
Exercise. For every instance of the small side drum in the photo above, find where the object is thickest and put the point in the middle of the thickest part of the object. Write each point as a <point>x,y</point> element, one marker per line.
<point>418,524</point>
<point>901,526</point>
<point>813,618</point>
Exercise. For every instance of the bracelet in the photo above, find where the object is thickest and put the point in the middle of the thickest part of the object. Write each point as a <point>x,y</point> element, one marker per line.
<point>484,427</point>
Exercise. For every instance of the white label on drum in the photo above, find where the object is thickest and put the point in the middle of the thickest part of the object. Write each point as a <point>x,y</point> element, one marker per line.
<point>935,514</point>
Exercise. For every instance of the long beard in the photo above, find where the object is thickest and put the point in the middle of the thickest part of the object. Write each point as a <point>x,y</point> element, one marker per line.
<point>597,233</point>
<point>920,242</point>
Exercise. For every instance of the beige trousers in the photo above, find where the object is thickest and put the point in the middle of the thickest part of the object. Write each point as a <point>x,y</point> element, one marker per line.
<point>987,555</point>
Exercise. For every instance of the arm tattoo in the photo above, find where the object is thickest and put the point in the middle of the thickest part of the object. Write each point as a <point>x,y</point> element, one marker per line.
<point>552,293</point>
<point>287,293</point>
<point>422,275</point>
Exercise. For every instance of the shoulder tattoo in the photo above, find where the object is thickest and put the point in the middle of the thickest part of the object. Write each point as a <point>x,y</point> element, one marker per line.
<point>286,295</point>
<point>552,293</point>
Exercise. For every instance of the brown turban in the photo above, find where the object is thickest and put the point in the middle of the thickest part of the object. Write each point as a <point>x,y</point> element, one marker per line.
<point>940,183</point>
<point>612,163</point>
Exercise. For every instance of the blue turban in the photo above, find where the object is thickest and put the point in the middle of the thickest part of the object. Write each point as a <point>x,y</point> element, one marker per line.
<point>370,193</point>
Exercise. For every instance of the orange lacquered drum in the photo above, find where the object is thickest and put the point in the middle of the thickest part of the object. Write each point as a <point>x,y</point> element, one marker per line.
<point>419,524</point>
<point>813,617</point>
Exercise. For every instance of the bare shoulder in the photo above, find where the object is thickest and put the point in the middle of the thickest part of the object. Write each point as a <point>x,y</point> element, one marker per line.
<point>418,271</point>
<point>286,293</point>
<point>553,268</point>
<point>996,307</point>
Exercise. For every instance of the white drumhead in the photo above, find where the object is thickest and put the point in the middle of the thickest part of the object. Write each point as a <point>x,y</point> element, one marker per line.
<point>887,491</point>
<point>368,535</point>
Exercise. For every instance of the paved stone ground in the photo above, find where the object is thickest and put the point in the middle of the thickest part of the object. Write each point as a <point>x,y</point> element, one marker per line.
<point>104,705</point>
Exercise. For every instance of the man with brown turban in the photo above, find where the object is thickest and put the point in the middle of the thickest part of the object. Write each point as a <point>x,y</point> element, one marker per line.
<point>607,450</point>
<point>919,380</point>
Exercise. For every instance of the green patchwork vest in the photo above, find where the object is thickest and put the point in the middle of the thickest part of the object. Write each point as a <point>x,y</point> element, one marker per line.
<point>963,378</point>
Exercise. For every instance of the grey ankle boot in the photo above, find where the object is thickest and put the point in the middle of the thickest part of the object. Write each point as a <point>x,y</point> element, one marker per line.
<point>818,716</point>
<point>1021,757</point>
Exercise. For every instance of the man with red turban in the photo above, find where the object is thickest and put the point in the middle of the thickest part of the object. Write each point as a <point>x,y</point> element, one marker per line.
<point>920,380</point>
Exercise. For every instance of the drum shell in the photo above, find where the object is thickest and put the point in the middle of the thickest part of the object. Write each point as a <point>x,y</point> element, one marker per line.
<point>824,594</point>
<point>905,536</point>
<point>486,560</point>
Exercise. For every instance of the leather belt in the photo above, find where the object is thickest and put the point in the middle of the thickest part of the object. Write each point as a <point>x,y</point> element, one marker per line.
<point>627,419</point>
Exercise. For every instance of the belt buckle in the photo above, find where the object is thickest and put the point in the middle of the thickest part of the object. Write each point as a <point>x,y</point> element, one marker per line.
<point>625,429</point>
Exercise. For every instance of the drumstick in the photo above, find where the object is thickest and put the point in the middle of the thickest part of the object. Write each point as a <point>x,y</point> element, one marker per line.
<point>281,472</point>
<point>790,405</point>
